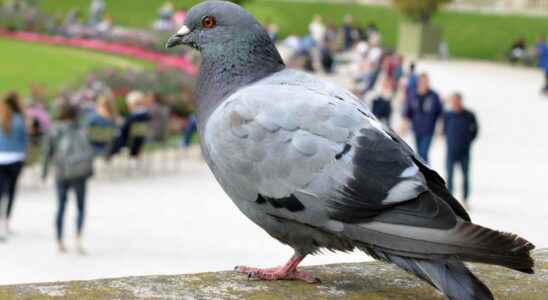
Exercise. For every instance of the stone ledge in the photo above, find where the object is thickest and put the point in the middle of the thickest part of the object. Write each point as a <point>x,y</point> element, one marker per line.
<point>372,281</point>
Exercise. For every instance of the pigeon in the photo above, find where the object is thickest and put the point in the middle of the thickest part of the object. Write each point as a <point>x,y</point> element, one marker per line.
<point>306,161</point>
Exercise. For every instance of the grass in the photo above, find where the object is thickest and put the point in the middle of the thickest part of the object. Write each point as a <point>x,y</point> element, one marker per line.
<point>481,36</point>
<point>24,63</point>
<point>469,35</point>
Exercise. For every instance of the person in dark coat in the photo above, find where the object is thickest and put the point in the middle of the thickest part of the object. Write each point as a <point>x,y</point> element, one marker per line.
<point>347,29</point>
<point>422,111</point>
<point>381,105</point>
<point>460,130</point>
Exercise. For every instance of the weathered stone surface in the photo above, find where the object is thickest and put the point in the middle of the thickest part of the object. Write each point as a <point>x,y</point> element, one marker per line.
<point>370,281</point>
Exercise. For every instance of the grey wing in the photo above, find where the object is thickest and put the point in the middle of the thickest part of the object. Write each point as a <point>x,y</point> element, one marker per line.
<point>308,155</point>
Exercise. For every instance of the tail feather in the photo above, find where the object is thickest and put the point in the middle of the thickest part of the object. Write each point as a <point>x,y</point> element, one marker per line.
<point>452,278</point>
<point>466,242</point>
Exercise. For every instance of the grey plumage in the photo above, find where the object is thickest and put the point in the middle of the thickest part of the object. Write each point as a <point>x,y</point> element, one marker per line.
<point>309,163</point>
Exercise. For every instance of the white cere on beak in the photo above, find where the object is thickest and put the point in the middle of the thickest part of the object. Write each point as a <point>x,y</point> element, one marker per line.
<point>184,30</point>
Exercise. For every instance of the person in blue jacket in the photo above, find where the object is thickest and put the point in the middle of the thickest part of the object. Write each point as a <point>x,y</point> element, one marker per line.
<point>542,53</point>
<point>460,130</point>
<point>422,110</point>
<point>13,149</point>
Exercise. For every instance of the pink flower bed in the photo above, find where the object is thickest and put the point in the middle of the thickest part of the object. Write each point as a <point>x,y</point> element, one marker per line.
<point>161,59</point>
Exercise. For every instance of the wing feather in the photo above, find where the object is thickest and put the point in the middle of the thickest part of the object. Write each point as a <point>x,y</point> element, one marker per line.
<point>321,142</point>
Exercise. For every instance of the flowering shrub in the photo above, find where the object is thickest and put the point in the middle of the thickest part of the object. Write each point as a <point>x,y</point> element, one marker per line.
<point>172,86</point>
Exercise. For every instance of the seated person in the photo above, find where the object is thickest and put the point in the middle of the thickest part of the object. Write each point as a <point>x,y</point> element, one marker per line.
<point>102,125</point>
<point>518,51</point>
<point>134,130</point>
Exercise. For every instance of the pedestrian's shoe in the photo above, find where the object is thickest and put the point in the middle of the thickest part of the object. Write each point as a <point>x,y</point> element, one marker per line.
<point>79,247</point>
<point>61,247</point>
<point>3,231</point>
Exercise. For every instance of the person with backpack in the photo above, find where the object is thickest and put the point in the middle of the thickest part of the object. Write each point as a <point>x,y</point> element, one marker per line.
<point>68,147</point>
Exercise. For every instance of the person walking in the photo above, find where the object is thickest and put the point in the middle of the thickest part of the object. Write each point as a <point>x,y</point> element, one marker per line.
<point>317,30</point>
<point>346,30</point>
<point>13,148</point>
<point>68,147</point>
<point>381,105</point>
<point>190,130</point>
<point>411,82</point>
<point>460,130</point>
<point>422,111</point>
<point>542,53</point>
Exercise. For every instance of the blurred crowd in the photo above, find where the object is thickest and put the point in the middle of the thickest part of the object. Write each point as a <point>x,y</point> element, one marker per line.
<point>78,134</point>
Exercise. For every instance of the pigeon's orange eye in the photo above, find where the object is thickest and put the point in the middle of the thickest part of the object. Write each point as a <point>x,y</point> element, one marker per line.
<point>208,22</point>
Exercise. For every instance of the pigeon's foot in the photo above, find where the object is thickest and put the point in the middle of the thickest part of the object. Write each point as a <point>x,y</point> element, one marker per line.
<point>286,272</point>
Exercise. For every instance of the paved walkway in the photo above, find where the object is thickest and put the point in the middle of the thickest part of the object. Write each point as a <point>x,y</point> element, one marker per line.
<point>182,222</point>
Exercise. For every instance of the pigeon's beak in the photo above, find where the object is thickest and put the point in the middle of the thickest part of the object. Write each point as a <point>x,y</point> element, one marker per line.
<point>179,38</point>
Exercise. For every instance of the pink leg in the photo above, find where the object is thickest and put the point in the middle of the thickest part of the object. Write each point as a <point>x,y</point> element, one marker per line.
<point>286,272</point>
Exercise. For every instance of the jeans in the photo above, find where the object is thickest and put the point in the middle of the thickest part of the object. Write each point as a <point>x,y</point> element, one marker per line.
<point>9,174</point>
<point>63,186</point>
<point>189,131</point>
<point>545,87</point>
<point>423,145</point>
<point>464,162</point>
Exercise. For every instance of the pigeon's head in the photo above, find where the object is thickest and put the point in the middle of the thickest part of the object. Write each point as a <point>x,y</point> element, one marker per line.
<point>216,24</point>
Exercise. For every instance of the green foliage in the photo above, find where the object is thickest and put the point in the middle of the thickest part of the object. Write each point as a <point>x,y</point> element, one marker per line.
<point>419,10</point>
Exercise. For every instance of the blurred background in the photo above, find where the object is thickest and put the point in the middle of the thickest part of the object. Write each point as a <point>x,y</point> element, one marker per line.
<point>100,171</point>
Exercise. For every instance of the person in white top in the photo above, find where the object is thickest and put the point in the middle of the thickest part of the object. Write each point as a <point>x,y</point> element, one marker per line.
<point>317,30</point>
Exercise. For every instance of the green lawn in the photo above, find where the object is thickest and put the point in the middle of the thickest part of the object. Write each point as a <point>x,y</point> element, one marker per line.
<point>469,35</point>
<point>474,35</point>
<point>23,63</point>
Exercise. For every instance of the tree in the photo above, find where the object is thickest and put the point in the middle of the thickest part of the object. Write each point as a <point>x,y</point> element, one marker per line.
<point>419,10</point>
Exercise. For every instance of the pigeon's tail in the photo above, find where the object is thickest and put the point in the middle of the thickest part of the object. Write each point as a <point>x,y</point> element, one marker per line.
<point>452,278</point>
<point>464,242</point>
